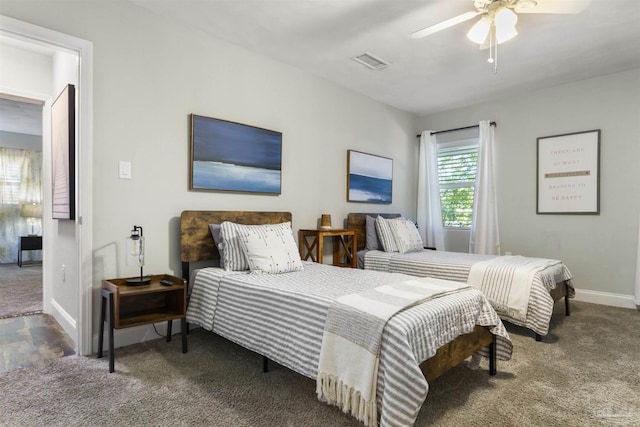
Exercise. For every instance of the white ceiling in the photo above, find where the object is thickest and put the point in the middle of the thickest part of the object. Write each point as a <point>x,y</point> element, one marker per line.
<point>436,73</point>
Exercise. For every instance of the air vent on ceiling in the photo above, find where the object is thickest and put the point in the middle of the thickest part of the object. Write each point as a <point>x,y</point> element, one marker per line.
<point>371,61</point>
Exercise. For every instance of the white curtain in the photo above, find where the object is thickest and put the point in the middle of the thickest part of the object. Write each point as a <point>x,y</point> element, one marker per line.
<point>20,183</point>
<point>484,237</point>
<point>429,215</point>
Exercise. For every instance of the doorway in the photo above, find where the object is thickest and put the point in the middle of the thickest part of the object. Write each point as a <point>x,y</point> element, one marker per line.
<point>20,206</point>
<point>67,264</point>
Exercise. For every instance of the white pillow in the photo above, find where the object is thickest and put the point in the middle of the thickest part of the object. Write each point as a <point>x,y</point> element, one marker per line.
<point>232,255</point>
<point>270,248</point>
<point>406,235</point>
<point>384,235</point>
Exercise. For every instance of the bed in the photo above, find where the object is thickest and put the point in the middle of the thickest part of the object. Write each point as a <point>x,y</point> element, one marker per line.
<point>282,317</point>
<point>547,286</point>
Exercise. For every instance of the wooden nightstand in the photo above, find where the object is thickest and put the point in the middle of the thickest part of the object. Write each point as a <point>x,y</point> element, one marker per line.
<point>344,246</point>
<point>28,243</point>
<point>130,306</point>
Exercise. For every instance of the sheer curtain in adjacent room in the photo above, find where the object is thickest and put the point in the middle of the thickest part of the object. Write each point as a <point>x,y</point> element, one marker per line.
<point>20,184</point>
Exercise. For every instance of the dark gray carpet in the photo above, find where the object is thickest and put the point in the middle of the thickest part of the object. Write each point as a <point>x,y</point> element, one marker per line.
<point>586,373</point>
<point>20,289</point>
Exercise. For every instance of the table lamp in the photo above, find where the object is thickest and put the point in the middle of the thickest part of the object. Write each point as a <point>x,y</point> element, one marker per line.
<point>325,222</point>
<point>31,211</point>
<point>135,255</point>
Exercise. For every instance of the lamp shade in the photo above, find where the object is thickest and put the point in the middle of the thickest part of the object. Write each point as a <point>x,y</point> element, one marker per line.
<point>504,34</point>
<point>505,21</point>
<point>506,18</point>
<point>480,30</point>
<point>31,210</point>
<point>135,255</point>
<point>325,222</point>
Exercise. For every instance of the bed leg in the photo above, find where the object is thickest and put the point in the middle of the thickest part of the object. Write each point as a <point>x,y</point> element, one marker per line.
<point>493,356</point>
<point>538,337</point>
<point>265,364</point>
<point>567,310</point>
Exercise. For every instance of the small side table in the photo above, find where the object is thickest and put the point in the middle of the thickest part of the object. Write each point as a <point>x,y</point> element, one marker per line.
<point>29,243</point>
<point>344,246</point>
<point>130,306</point>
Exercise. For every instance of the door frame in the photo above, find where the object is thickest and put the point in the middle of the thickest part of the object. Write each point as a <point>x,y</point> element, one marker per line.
<point>34,34</point>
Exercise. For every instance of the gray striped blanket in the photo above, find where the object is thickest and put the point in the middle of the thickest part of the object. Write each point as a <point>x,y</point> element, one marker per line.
<point>350,352</point>
<point>456,266</point>
<point>282,316</point>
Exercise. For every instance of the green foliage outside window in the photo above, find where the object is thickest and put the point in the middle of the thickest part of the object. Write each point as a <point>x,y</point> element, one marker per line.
<point>457,168</point>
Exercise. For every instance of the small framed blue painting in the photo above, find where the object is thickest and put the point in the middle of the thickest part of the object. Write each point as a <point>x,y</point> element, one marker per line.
<point>369,178</point>
<point>228,156</point>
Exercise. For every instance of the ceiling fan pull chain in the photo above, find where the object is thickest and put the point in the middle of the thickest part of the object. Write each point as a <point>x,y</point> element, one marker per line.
<point>495,60</point>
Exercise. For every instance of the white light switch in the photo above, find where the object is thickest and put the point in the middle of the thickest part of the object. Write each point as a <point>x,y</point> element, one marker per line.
<point>125,170</point>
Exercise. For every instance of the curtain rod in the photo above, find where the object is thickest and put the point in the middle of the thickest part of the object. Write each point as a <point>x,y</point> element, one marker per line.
<point>457,129</point>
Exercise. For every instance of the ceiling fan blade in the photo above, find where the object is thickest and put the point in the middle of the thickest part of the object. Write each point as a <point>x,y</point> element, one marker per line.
<point>551,6</point>
<point>444,25</point>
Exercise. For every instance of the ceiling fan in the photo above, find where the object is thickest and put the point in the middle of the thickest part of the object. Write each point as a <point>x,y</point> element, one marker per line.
<point>490,8</point>
<point>497,23</point>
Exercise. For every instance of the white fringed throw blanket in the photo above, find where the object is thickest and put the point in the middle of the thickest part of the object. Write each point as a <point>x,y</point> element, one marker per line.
<point>350,352</point>
<point>506,282</point>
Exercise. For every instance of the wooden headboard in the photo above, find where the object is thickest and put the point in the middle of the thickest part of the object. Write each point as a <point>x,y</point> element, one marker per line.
<point>358,221</point>
<point>196,242</point>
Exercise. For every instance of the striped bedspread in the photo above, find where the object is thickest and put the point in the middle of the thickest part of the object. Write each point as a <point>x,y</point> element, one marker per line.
<point>283,317</point>
<point>456,266</point>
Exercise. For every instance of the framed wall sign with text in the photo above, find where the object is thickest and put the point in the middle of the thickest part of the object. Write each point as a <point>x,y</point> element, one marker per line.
<point>568,169</point>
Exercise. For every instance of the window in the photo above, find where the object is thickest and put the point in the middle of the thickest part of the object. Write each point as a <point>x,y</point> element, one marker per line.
<point>10,175</point>
<point>457,166</point>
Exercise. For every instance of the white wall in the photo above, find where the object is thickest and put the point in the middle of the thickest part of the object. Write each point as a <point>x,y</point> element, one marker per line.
<point>28,72</point>
<point>600,250</point>
<point>65,257</point>
<point>20,140</point>
<point>150,74</point>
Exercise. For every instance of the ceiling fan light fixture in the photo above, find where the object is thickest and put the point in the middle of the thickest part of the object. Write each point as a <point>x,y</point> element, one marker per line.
<point>505,21</point>
<point>506,17</point>
<point>504,34</point>
<point>480,30</point>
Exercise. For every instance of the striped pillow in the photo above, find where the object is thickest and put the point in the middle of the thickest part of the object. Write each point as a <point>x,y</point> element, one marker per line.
<point>270,248</point>
<point>232,256</point>
<point>384,235</point>
<point>406,235</point>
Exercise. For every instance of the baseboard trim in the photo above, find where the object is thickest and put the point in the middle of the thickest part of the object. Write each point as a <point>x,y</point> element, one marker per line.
<point>606,298</point>
<point>66,321</point>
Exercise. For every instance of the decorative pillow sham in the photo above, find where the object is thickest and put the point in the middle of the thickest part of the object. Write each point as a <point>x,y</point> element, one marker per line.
<point>406,235</point>
<point>270,248</point>
<point>384,235</point>
<point>371,235</point>
<point>232,257</point>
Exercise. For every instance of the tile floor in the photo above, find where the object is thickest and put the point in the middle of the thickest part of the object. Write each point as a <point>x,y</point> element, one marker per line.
<point>31,341</point>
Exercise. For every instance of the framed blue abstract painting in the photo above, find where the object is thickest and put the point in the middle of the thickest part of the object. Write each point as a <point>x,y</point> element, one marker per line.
<point>228,156</point>
<point>369,178</point>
